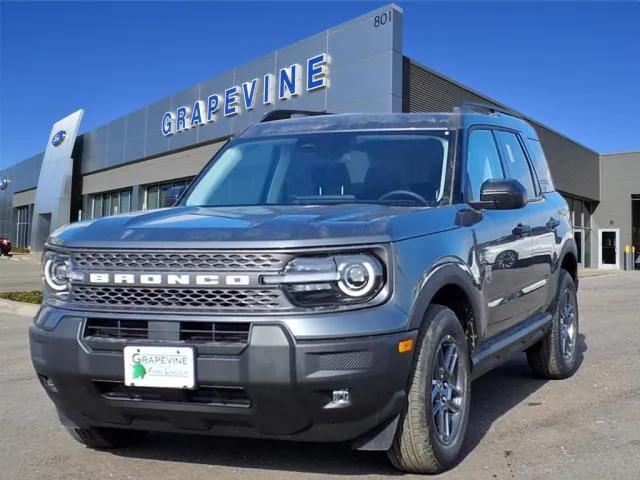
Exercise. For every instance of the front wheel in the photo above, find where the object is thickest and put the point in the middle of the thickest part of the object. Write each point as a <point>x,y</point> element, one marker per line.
<point>555,356</point>
<point>434,422</point>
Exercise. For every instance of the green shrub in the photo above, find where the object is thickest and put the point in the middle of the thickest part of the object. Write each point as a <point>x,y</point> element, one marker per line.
<point>26,297</point>
<point>20,250</point>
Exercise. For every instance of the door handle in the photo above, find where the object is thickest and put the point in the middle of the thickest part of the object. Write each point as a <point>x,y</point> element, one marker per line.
<point>553,223</point>
<point>521,230</point>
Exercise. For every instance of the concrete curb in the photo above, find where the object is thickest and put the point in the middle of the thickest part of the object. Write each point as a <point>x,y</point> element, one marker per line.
<point>18,308</point>
<point>589,273</point>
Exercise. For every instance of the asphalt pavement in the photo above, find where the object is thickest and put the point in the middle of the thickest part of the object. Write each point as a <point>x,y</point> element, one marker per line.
<point>20,273</point>
<point>587,427</point>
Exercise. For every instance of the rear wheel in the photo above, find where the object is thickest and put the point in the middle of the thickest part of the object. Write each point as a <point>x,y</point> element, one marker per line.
<point>433,425</point>
<point>555,356</point>
<point>106,438</point>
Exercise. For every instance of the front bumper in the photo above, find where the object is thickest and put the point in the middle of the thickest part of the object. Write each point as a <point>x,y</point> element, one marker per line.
<point>280,387</point>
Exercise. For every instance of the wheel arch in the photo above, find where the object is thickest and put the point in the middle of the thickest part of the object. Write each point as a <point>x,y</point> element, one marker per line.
<point>452,285</point>
<point>570,264</point>
<point>568,260</point>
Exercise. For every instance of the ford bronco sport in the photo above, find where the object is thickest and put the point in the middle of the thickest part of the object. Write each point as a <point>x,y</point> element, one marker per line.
<point>333,278</point>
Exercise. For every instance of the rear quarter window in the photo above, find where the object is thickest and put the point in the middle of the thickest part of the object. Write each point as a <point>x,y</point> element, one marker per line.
<point>540,165</point>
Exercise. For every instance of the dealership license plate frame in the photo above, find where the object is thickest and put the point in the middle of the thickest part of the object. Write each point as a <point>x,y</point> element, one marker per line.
<point>153,378</point>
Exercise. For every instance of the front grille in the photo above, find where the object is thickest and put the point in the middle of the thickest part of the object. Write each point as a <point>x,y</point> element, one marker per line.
<point>227,333</point>
<point>215,396</point>
<point>179,261</point>
<point>215,332</point>
<point>167,299</point>
<point>107,328</point>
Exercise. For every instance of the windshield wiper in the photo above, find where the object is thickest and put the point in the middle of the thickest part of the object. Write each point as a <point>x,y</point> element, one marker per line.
<point>333,201</point>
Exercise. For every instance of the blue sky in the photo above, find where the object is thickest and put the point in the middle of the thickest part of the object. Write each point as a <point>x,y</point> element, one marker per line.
<point>573,66</point>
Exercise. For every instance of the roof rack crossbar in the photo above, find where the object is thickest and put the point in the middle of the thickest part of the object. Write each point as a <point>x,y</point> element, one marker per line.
<point>285,114</point>
<point>468,105</point>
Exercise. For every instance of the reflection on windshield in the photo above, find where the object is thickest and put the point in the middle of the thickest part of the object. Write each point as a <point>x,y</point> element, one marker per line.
<point>403,168</point>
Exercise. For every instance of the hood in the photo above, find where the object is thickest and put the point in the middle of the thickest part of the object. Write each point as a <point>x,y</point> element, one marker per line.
<point>257,227</point>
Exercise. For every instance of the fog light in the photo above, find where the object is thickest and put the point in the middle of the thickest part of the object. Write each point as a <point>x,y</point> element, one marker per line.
<point>341,398</point>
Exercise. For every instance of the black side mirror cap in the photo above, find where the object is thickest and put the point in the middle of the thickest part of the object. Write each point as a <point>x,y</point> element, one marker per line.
<point>501,194</point>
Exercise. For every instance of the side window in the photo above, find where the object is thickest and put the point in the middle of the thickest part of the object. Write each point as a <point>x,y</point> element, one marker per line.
<point>515,160</point>
<point>541,166</point>
<point>483,162</point>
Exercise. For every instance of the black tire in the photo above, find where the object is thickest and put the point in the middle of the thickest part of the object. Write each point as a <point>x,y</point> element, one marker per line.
<point>550,358</point>
<point>418,446</point>
<point>106,438</point>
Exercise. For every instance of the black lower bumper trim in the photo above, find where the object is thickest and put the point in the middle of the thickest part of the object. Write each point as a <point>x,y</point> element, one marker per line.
<point>274,388</point>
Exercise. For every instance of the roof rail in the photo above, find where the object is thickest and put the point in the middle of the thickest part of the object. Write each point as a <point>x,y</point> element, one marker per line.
<point>470,106</point>
<point>284,114</point>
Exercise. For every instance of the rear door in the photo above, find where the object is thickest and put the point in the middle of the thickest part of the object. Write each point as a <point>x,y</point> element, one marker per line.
<point>503,237</point>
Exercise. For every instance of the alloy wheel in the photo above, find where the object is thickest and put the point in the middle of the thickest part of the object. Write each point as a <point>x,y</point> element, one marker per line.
<point>568,324</point>
<point>447,391</point>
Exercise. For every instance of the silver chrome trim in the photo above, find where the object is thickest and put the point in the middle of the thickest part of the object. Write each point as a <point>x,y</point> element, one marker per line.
<point>495,303</point>
<point>534,286</point>
<point>518,294</point>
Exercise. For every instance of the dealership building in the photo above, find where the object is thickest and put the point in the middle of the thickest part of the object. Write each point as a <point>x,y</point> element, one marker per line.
<point>135,161</point>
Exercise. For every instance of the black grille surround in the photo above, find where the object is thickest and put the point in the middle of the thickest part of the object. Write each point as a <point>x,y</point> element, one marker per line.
<point>200,332</point>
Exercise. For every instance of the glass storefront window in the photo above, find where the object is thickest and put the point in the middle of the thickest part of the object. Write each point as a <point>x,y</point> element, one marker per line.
<point>577,213</point>
<point>23,226</point>
<point>581,222</point>
<point>125,201</point>
<point>153,198</point>
<point>97,206</point>
<point>156,195</point>
<point>106,205</point>
<point>111,203</point>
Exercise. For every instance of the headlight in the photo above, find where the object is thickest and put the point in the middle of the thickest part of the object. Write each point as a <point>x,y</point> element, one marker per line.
<point>332,280</point>
<point>58,272</point>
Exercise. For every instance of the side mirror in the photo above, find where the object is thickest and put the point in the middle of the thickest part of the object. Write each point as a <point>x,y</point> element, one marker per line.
<point>502,194</point>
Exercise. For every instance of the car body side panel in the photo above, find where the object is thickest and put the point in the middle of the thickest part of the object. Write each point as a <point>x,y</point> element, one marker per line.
<point>426,264</point>
<point>550,233</point>
<point>504,249</point>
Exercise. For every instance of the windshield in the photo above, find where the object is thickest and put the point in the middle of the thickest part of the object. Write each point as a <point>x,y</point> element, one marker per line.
<point>400,168</point>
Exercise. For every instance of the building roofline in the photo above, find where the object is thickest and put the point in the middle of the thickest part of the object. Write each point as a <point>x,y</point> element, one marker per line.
<point>500,104</point>
<point>624,152</point>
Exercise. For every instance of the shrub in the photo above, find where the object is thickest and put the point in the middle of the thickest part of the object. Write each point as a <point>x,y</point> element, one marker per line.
<point>26,297</point>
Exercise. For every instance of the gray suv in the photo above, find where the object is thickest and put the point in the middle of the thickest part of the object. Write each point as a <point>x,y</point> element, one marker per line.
<point>332,278</point>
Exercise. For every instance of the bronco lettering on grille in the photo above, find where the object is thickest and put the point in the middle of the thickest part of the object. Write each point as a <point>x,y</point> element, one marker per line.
<point>232,280</point>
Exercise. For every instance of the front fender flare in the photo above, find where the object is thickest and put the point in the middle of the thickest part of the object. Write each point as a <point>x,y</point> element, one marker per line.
<point>450,273</point>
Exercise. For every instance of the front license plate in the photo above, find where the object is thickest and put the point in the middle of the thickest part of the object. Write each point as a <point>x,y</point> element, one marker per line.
<point>163,367</point>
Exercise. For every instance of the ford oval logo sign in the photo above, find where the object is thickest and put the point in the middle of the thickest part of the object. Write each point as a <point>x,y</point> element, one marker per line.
<point>58,138</point>
<point>4,183</point>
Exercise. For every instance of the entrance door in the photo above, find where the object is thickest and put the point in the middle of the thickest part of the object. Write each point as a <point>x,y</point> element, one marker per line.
<point>609,248</point>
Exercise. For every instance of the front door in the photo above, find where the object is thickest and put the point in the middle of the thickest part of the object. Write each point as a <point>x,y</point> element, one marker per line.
<point>609,248</point>
<point>503,238</point>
